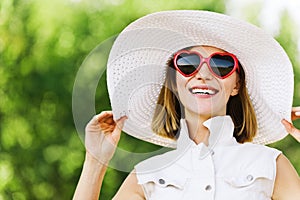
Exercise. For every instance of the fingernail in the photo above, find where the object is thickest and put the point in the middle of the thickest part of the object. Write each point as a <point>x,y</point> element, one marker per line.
<point>297,113</point>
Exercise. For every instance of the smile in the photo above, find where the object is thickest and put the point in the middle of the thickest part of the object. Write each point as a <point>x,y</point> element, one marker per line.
<point>203,91</point>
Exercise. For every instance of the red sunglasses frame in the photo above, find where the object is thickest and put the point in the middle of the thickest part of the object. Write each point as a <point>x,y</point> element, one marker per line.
<point>206,60</point>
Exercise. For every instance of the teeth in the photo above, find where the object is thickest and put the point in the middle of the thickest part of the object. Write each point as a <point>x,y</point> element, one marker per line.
<point>203,91</point>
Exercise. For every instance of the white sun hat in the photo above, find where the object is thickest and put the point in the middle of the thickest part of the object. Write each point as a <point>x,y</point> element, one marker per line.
<point>137,67</point>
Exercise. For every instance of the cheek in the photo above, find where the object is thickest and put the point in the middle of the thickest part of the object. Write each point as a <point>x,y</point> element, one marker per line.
<point>180,85</point>
<point>181,88</point>
<point>230,85</point>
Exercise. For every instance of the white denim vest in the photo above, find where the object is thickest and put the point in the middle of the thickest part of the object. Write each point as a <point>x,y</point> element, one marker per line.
<point>223,170</point>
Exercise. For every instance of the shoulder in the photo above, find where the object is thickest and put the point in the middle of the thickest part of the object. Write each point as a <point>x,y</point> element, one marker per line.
<point>287,182</point>
<point>249,152</point>
<point>259,147</point>
<point>130,189</point>
<point>158,162</point>
<point>261,150</point>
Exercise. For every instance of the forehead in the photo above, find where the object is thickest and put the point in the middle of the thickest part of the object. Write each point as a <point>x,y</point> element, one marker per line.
<point>206,50</point>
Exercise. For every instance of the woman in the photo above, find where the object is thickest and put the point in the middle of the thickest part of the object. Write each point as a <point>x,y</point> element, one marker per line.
<point>218,95</point>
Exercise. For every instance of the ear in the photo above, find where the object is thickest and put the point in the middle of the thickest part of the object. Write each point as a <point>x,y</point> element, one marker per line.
<point>236,88</point>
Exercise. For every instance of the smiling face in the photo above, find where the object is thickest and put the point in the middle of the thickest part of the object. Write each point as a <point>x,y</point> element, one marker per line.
<point>203,93</point>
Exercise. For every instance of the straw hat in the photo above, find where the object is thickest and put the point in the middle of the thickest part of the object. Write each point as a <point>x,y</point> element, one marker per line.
<point>137,67</point>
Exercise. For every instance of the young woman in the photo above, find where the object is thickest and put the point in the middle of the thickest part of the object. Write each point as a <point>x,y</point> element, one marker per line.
<point>214,87</point>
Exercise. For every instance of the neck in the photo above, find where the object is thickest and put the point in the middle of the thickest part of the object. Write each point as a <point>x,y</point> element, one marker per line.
<point>197,131</point>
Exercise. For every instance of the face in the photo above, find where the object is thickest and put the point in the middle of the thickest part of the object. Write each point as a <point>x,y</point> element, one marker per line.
<point>203,94</point>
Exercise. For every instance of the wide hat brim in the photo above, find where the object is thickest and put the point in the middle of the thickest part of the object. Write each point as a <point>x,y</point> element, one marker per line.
<point>137,67</point>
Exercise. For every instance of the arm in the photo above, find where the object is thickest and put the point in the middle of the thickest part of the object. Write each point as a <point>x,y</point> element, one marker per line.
<point>130,189</point>
<point>90,180</point>
<point>287,182</point>
<point>102,135</point>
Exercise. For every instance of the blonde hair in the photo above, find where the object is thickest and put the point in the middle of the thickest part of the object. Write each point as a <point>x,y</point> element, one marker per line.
<point>168,112</point>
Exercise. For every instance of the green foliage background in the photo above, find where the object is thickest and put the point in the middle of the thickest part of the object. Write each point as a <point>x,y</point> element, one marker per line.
<point>42,45</point>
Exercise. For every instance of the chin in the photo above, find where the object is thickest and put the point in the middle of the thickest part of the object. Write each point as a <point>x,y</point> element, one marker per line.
<point>205,111</point>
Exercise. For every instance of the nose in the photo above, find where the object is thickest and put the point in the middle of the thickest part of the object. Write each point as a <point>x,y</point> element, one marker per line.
<point>204,73</point>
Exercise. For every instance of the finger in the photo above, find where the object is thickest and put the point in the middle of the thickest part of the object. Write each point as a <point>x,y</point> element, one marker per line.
<point>107,128</point>
<point>287,125</point>
<point>117,131</point>
<point>94,125</point>
<point>291,129</point>
<point>100,116</point>
<point>296,112</point>
<point>107,124</point>
<point>120,122</point>
<point>105,116</point>
<point>295,115</point>
<point>296,109</point>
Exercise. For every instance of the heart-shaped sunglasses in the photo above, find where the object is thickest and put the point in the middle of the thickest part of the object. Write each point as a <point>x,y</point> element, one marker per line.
<point>220,64</point>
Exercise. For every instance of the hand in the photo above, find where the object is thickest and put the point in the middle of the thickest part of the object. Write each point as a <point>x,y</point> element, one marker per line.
<point>102,135</point>
<point>289,127</point>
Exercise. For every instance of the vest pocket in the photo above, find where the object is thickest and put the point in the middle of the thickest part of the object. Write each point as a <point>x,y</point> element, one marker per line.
<point>250,177</point>
<point>163,181</point>
<point>164,184</point>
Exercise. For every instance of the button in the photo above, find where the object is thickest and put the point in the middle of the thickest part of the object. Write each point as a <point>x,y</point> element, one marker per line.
<point>161,181</point>
<point>249,177</point>
<point>212,152</point>
<point>208,188</point>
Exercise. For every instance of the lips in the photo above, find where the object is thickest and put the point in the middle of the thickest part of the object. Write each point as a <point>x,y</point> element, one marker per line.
<point>203,90</point>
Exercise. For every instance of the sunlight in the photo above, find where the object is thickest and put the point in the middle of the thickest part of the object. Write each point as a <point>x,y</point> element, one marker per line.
<point>269,14</point>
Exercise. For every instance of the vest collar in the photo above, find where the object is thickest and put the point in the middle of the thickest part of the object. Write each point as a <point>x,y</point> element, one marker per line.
<point>220,129</point>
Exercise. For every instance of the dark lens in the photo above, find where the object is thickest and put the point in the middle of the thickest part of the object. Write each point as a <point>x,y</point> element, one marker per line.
<point>187,63</point>
<point>221,65</point>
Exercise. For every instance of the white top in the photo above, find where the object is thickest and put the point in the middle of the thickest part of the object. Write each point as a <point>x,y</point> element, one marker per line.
<point>225,169</point>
